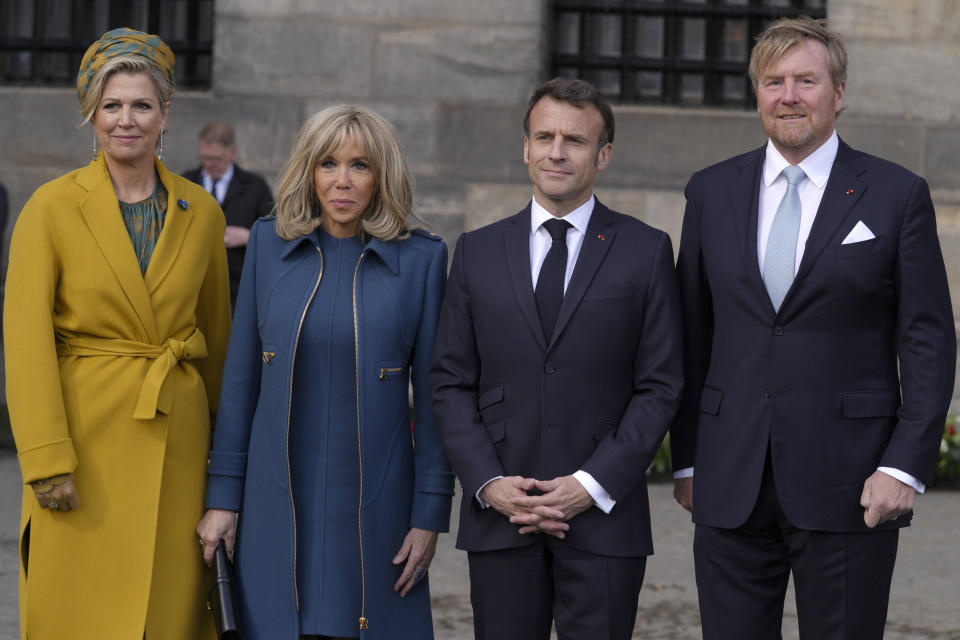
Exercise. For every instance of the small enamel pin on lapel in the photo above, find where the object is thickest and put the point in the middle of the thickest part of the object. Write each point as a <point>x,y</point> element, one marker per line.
<point>600,236</point>
<point>848,192</point>
<point>183,204</point>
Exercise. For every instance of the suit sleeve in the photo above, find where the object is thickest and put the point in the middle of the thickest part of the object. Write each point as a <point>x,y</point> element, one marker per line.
<point>239,394</point>
<point>454,377</point>
<point>213,314</point>
<point>620,461</point>
<point>926,340</point>
<point>265,200</point>
<point>433,480</point>
<point>34,395</point>
<point>697,321</point>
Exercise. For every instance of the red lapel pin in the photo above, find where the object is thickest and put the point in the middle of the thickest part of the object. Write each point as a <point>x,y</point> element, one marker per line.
<point>600,236</point>
<point>849,192</point>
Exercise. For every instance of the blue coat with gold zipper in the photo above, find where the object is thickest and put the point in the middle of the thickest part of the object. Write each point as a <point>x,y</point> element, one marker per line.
<point>398,287</point>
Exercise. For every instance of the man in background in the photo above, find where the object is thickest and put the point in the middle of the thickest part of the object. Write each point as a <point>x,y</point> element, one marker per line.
<point>242,195</point>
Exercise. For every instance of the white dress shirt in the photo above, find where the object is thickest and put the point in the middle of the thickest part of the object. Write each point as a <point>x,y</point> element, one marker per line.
<point>222,185</point>
<point>773,185</point>
<point>540,242</point>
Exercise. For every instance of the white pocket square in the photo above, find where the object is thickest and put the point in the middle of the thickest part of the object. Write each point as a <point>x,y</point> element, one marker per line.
<point>859,233</point>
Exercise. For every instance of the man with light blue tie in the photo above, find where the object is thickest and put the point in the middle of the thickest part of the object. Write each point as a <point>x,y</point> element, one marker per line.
<point>820,357</point>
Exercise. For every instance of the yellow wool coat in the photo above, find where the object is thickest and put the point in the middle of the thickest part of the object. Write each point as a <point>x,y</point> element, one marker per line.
<point>113,376</point>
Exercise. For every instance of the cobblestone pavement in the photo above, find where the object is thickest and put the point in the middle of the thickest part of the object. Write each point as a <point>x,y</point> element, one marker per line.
<point>923,603</point>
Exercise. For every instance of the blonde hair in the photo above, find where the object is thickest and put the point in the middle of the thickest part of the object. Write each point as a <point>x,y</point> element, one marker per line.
<point>124,64</point>
<point>786,33</point>
<point>298,207</point>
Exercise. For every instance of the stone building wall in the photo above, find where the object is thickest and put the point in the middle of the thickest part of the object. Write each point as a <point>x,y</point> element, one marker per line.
<point>454,76</point>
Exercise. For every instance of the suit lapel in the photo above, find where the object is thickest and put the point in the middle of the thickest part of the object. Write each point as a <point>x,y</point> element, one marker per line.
<point>175,225</point>
<point>517,247</point>
<point>744,202</point>
<point>596,243</point>
<point>235,187</point>
<point>102,214</point>
<point>843,189</point>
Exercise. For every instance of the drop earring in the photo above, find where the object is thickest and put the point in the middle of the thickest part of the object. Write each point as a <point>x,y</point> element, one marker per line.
<point>94,146</point>
<point>160,154</point>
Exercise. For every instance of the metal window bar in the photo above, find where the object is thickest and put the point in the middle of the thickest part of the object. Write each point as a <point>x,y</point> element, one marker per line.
<point>671,52</point>
<point>43,41</point>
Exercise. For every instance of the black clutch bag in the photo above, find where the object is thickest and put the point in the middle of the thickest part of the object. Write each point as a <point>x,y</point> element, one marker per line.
<point>222,600</point>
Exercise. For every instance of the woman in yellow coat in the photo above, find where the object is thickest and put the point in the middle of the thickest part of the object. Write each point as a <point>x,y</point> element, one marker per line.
<point>116,324</point>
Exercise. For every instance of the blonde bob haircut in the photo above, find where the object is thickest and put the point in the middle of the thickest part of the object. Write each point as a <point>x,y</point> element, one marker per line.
<point>786,33</point>
<point>298,207</point>
<point>124,64</point>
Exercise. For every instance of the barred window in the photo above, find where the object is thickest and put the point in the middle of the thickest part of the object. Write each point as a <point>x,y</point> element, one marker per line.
<point>672,52</point>
<point>42,41</point>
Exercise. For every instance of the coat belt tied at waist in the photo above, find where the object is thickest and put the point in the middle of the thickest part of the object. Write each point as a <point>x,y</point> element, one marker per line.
<point>155,395</point>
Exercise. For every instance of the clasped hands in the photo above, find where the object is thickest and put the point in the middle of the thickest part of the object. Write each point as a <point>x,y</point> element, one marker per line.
<point>550,512</point>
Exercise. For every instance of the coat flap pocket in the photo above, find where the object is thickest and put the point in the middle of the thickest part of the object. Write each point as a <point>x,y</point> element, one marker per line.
<point>496,430</point>
<point>602,428</point>
<point>710,399</point>
<point>491,396</point>
<point>870,404</point>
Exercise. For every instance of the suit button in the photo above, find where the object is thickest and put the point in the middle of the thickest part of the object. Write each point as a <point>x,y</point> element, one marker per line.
<point>778,331</point>
<point>549,368</point>
<point>767,393</point>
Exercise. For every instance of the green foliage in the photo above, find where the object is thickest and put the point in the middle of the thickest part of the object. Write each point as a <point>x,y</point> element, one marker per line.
<point>660,469</point>
<point>948,465</point>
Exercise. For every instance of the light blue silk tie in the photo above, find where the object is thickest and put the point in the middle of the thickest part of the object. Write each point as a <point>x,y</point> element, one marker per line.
<point>781,254</point>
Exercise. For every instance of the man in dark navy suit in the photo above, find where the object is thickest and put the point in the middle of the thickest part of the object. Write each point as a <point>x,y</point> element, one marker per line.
<point>556,373</point>
<point>820,359</point>
<point>244,196</point>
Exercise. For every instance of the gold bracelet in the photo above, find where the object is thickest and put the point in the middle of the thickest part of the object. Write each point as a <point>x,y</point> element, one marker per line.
<point>49,484</point>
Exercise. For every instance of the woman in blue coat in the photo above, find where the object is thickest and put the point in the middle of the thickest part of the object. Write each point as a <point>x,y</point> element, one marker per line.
<point>331,505</point>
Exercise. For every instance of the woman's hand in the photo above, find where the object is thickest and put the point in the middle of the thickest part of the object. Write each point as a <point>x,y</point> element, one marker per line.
<point>417,549</point>
<point>57,493</point>
<point>216,525</point>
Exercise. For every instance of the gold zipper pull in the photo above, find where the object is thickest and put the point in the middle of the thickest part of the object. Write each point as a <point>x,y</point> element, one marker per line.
<point>385,370</point>
<point>268,356</point>
<point>363,623</point>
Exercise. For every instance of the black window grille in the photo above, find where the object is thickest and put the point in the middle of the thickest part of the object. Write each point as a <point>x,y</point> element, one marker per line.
<point>672,52</point>
<point>42,41</point>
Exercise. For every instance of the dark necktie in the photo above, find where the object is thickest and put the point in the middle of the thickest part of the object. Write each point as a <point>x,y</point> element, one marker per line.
<point>549,291</point>
<point>213,189</point>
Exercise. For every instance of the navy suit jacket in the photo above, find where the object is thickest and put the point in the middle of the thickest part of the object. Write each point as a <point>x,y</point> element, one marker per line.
<point>599,397</point>
<point>854,372</point>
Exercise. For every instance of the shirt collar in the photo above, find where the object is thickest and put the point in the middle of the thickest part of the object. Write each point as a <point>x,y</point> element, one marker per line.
<point>578,218</point>
<point>817,165</point>
<point>226,177</point>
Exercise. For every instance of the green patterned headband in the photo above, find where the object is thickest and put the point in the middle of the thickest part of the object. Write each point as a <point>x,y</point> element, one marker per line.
<point>120,42</point>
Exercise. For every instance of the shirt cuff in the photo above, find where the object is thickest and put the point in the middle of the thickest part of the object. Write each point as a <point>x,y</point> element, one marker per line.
<point>601,498</point>
<point>686,472</point>
<point>904,477</point>
<point>483,504</point>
